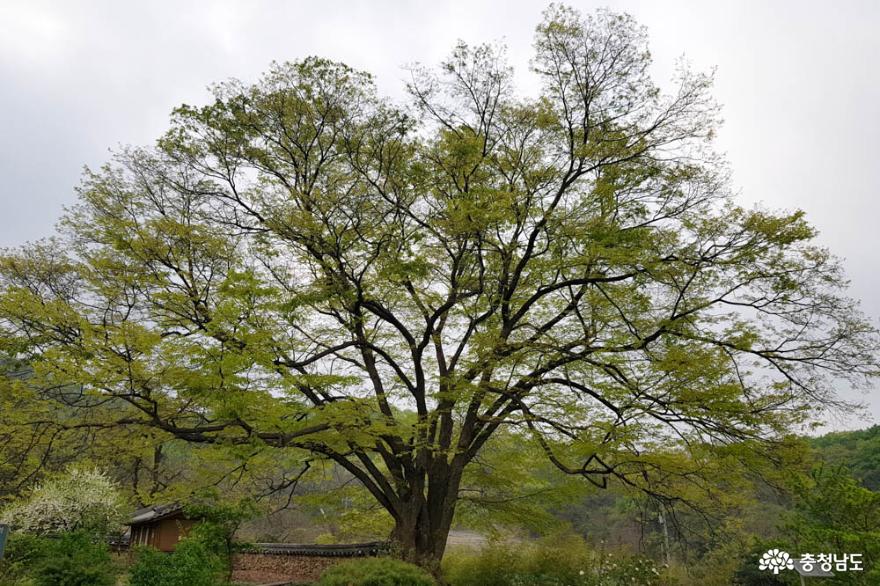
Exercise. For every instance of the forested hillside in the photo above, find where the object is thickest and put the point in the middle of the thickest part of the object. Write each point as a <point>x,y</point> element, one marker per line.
<point>858,450</point>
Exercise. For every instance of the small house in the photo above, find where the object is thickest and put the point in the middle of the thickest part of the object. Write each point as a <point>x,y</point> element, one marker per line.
<point>159,526</point>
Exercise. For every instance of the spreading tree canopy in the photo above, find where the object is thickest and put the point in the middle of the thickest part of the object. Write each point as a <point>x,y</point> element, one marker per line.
<point>305,264</point>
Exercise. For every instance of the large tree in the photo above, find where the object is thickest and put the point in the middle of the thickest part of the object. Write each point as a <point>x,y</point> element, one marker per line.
<point>304,264</point>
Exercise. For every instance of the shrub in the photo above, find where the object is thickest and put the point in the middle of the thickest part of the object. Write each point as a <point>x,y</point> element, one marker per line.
<point>219,520</point>
<point>561,560</point>
<point>80,500</point>
<point>376,572</point>
<point>191,564</point>
<point>622,569</point>
<point>23,554</point>
<point>74,559</point>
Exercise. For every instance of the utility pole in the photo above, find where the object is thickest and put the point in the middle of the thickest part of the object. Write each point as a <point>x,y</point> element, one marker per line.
<point>662,521</point>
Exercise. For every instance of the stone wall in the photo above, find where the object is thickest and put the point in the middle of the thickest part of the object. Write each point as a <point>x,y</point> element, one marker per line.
<point>261,568</point>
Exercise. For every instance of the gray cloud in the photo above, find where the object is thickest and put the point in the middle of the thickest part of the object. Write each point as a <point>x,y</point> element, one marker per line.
<point>798,82</point>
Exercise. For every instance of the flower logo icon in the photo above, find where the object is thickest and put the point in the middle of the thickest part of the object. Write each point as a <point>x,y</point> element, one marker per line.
<point>775,560</point>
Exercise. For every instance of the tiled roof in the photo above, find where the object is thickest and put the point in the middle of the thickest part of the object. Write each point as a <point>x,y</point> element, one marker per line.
<point>344,550</point>
<point>154,513</point>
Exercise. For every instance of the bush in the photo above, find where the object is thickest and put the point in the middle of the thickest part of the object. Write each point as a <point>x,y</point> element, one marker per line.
<point>23,553</point>
<point>191,564</point>
<point>621,569</point>
<point>79,500</point>
<point>561,560</point>
<point>218,522</point>
<point>75,560</point>
<point>376,572</point>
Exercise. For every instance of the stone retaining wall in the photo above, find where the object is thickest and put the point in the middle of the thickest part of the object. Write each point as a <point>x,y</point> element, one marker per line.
<point>282,563</point>
<point>261,568</point>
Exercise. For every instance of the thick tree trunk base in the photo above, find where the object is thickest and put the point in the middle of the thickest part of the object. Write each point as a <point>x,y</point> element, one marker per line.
<point>419,543</point>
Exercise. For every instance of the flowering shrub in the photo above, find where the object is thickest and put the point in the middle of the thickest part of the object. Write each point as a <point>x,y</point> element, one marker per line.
<point>80,500</point>
<point>614,570</point>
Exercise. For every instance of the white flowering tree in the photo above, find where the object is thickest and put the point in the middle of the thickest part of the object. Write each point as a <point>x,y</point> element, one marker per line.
<point>81,499</point>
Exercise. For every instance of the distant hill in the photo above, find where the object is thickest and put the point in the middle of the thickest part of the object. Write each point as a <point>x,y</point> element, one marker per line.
<point>859,451</point>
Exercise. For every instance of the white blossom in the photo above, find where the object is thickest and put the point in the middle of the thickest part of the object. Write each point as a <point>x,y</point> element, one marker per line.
<point>80,499</point>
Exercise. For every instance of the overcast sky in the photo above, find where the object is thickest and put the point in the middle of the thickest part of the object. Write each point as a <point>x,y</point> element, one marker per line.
<point>798,81</point>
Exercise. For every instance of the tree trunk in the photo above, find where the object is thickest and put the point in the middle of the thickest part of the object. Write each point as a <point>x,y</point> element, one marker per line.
<point>420,533</point>
<point>422,524</point>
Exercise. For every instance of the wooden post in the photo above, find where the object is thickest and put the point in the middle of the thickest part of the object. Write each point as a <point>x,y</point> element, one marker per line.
<point>4,534</point>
